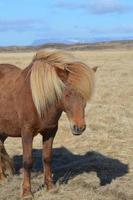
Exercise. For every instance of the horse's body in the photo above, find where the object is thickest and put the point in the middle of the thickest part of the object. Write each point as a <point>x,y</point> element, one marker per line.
<point>32,100</point>
<point>8,116</point>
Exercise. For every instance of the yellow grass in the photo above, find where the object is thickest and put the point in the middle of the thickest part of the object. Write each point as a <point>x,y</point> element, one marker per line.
<point>104,153</point>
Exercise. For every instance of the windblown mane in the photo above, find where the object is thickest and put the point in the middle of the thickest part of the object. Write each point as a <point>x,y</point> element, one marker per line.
<point>47,87</point>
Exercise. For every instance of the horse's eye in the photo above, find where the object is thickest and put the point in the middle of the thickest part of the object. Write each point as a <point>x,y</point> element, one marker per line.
<point>67,95</point>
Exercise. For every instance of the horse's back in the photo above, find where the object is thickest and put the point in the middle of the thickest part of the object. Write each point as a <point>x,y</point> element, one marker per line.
<point>7,69</point>
<point>8,74</point>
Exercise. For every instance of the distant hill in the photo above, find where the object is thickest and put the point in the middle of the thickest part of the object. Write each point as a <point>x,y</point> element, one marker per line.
<point>76,40</point>
<point>124,44</point>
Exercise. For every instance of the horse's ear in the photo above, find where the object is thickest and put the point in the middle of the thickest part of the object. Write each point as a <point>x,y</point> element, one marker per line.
<point>94,68</point>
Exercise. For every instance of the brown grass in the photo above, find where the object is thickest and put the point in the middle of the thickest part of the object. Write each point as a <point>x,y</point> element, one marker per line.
<point>99,164</point>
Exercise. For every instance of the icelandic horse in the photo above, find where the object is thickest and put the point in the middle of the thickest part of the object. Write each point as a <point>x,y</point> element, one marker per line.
<point>32,101</point>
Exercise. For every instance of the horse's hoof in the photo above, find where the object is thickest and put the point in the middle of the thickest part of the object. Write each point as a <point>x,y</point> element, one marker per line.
<point>2,177</point>
<point>54,189</point>
<point>28,196</point>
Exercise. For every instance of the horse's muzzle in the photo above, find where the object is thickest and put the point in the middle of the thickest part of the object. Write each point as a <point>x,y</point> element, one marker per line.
<point>76,130</point>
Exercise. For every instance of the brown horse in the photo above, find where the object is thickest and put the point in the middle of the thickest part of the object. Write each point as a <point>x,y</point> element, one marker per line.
<point>32,100</point>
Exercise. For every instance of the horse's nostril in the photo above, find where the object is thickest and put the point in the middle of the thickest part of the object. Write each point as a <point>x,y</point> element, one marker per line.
<point>84,127</point>
<point>75,128</point>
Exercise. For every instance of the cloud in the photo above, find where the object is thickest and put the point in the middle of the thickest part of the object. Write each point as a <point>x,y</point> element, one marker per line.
<point>21,25</point>
<point>98,7</point>
<point>110,6</point>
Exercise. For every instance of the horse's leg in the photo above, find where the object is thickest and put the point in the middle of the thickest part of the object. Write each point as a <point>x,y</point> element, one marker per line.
<point>2,175</point>
<point>2,155</point>
<point>8,163</point>
<point>27,140</point>
<point>48,138</point>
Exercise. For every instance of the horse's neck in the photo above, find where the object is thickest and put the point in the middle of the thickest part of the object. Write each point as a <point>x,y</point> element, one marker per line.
<point>54,111</point>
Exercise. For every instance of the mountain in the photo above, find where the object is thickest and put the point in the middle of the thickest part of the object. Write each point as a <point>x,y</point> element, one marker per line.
<point>55,41</point>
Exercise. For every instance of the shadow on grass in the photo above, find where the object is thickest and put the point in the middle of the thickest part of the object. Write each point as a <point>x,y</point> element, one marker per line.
<point>67,165</point>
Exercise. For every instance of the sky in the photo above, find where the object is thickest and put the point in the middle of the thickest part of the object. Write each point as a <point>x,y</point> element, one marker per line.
<point>30,22</point>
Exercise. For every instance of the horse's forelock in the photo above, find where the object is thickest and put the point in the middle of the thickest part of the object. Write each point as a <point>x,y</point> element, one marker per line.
<point>81,77</point>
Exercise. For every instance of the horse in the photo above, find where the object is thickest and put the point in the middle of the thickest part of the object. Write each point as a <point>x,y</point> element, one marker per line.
<point>32,101</point>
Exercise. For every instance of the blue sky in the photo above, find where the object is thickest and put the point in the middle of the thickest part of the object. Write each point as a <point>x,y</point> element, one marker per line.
<point>28,21</point>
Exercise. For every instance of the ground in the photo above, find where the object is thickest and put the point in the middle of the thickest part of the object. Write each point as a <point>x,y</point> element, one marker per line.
<point>99,164</point>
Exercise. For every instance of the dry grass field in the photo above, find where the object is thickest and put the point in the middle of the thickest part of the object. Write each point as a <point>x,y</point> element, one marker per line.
<point>99,164</point>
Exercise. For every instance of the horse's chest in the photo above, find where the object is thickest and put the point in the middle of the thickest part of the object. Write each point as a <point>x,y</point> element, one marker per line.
<point>50,121</point>
<point>48,124</point>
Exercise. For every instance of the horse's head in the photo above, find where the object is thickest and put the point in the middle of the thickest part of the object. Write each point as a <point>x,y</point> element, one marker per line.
<point>69,84</point>
<point>78,90</point>
<point>74,106</point>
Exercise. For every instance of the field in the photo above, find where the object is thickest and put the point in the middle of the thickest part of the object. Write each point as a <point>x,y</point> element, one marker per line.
<point>99,164</point>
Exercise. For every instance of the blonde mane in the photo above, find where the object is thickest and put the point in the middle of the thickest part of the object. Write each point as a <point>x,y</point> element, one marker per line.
<point>47,87</point>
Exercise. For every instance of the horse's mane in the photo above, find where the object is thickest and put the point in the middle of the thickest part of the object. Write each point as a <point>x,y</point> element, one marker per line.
<point>47,87</point>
